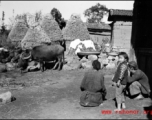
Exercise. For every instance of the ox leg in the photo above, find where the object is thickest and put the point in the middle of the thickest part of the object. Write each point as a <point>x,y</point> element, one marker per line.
<point>59,67</point>
<point>55,65</point>
<point>60,59</point>
<point>42,66</point>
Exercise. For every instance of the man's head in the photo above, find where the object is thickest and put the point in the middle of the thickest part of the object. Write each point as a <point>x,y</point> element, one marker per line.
<point>96,65</point>
<point>133,66</point>
<point>122,57</point>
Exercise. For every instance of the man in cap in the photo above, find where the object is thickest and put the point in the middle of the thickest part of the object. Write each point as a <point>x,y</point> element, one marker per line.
<point>138,82</point>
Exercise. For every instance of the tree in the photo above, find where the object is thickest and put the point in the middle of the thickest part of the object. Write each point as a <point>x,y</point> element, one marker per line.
<point>3,28</point>
<point>95,13</point>
<point>58,17</point>
<point>38,16</point>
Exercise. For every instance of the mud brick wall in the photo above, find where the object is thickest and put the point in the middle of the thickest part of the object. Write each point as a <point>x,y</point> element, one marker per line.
<point>122,35</point>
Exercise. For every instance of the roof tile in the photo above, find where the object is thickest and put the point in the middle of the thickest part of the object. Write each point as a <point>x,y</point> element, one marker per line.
<point>117,12</point>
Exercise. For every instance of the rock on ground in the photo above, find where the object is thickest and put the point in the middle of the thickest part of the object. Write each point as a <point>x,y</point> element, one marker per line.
<point>92,57</point>
<point>72,63</point>
<point>86,65</point>
<point>10,66</point>
<point>3,68</point>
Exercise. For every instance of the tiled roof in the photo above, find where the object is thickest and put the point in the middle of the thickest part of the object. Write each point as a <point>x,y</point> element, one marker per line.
<point>100,26</point>
<point>117,12</point>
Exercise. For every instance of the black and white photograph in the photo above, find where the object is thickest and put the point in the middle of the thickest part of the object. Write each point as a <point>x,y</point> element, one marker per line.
<point>75,59</point>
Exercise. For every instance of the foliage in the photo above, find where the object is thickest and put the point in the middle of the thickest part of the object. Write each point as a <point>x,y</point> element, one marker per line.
<point>29,19</point>
<point>4,33</point>
<point>22,17</point>
<point>38,16</point>
<point>95,13</point>
<point>58,17</point>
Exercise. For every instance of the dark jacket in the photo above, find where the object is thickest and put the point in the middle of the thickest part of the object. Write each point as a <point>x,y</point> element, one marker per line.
<point>93,88</point>
<point>142,78</point>
<point>121,73</point>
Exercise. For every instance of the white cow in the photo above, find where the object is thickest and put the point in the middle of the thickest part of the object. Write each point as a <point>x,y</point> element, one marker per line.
<point>79,47</point>
<point>74,43</point>
<point>88,44</point>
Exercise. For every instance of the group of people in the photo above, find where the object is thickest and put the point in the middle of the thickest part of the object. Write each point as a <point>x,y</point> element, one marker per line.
<point>128,80</point>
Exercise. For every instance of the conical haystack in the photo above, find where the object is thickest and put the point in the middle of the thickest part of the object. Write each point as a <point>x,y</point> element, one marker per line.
<point>35,36</point>
<point>18,31</point>
<point>75,29</point>
<point>51,28</point>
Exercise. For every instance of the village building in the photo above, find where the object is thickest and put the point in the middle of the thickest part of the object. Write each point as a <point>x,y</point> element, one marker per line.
<point>121,28</point>
<point>141,36</point>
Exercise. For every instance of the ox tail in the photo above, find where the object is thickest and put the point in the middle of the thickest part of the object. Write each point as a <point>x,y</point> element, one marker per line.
<point>63,58</point>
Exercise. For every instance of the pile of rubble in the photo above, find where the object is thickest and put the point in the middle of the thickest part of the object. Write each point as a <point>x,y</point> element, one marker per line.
<point>73,63</point>
<point>107,61</point>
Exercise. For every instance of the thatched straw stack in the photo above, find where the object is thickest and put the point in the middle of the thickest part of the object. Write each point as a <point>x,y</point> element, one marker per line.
<point>18,32</point>
<point>75,29</point>
<point>35,36</point>
<point>51,28</point>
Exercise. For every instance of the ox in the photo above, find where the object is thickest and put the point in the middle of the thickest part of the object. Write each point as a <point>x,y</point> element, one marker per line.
<point>47,53</point>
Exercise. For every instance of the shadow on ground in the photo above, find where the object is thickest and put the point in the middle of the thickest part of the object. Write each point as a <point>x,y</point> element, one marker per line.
<point>55,94</point>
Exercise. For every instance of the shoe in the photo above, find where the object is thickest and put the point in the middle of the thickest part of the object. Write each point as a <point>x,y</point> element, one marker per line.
<point>123,106</point>
<point>101,104</point>
<point>117,110</point>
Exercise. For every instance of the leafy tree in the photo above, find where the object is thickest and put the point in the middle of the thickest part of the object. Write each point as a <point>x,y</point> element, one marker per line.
<point>58,17</point>
<point>95,13</point>
<point>22,17</point>
<point>38,16</point>
<point>3,32</point>
<point>3,27</point>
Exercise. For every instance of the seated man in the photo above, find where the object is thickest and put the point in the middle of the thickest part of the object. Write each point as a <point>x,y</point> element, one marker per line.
<point>92,87</point>
<point>138,82</point>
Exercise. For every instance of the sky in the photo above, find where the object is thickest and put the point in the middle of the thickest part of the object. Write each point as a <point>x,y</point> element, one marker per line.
<point>67,8</point>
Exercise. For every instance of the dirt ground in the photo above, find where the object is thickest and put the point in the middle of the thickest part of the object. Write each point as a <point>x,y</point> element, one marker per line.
<point>55,95</point>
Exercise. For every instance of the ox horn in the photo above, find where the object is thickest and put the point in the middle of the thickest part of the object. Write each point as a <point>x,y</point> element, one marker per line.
<point>25,58</point>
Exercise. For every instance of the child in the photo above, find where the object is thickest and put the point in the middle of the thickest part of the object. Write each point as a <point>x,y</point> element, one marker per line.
<point>120,80</point>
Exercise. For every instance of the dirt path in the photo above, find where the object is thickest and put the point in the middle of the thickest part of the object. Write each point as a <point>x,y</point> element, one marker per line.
<point>55,95</point>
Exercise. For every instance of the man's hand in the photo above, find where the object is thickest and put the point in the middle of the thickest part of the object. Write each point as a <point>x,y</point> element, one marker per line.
<point>149,92</point>
<point>118,83</point>
<point>112,77</point>
<point>128,73</point>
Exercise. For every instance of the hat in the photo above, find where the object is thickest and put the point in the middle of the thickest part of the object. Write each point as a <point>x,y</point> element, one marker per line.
<point>133,64</point>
